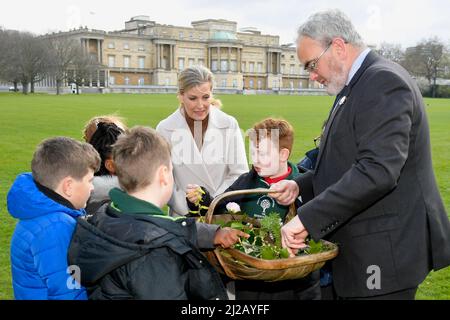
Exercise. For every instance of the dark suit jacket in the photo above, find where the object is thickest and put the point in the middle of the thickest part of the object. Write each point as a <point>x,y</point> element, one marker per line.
<point>374,189</point>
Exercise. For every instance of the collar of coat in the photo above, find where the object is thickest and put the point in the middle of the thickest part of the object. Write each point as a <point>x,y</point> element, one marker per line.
<point>217,119</point>
<point>123,202</point>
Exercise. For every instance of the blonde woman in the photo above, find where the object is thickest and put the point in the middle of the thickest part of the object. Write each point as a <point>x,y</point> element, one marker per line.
<point>207,144</point>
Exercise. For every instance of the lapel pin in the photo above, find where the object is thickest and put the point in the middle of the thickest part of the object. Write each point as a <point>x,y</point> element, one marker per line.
<point>342,101</point>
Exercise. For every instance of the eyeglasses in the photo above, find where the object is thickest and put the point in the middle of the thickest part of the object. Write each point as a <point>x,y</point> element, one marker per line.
<point>311,65</point>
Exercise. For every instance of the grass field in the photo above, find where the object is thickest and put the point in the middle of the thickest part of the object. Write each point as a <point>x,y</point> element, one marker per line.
<point>26,120</point>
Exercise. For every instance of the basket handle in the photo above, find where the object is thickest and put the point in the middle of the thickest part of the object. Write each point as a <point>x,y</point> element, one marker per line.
<point>212,206</point>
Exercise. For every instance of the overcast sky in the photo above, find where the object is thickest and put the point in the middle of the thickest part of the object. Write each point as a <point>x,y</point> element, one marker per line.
<point>396,21</point>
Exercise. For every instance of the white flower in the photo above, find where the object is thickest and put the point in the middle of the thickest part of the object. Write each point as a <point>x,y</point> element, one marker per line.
<point>233,207</point>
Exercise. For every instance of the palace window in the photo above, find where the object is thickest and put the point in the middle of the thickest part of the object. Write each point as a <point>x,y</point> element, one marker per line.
<point>224,65</point>
<point>260,67</point>
<point>214,65</point>
<point>180,63</point>
<point>141,62</point>
<point>126,61</point>
<point>233,65</point>
<point>111,61</point>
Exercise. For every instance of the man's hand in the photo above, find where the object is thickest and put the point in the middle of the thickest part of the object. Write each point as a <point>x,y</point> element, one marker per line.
<point>293,236</point>
<point>226,237</point>
<point>286,192</point>
<point>193,193</point>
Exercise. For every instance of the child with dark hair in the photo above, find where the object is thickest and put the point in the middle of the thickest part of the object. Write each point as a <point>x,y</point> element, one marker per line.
<point>131,249</point>
<point>102,133</point>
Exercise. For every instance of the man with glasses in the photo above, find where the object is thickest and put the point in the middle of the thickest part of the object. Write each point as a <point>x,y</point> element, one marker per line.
<point>374,190</point>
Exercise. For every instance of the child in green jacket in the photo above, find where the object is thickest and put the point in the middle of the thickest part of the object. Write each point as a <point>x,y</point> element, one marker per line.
<point>271,145</point>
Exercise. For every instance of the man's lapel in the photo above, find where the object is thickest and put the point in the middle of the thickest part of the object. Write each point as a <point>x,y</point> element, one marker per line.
<point>340,101</point>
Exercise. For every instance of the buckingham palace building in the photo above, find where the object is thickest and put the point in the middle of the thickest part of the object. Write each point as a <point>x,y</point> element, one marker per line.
<point>146,57</point>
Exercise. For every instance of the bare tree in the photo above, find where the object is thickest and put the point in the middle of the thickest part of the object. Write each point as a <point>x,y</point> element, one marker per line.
<point>9,57</point>
<point>390,51</point>
<point>33,59</point>
<point>24,59</point>
<point>3,50</point>
<point>84,67</point>
<point>63,53</point>
<point>426,59</point>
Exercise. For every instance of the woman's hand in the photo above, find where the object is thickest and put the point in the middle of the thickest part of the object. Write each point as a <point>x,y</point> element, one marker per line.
<point>193,193</point>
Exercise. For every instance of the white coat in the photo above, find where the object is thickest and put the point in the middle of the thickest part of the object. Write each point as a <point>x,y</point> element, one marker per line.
<point>221,160</point>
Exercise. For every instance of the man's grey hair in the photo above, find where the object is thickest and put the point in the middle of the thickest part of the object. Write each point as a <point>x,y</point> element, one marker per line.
<point>327,25</point>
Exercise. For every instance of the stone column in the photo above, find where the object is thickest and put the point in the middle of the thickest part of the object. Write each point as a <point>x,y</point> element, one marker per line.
<point>157,56</point>
<point>279,62</point>
<point>238,58</point>
<point>98,51</point>
<point>219,65</point>
<point>101,51</point>
<point>210,57</point>
<point>170,57</point>
<point>229,59</point>
<point>173,57</point>
<point>162,56</point>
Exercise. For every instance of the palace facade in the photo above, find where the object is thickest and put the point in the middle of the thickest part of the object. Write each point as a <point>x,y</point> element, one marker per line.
<point>146,53</point>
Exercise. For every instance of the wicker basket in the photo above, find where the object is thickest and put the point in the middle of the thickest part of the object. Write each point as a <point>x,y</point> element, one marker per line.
<point>240,266</point>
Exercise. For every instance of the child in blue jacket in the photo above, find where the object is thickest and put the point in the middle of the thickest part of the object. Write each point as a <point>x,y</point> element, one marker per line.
<point>47,203</point>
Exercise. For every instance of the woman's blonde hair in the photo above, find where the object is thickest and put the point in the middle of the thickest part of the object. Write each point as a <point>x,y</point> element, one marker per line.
<point>91,125</point>
<point>195,76</point>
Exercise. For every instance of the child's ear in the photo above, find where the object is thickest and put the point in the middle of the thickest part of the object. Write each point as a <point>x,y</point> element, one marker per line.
<point>65,187</point>
<point>163,175</point>
<point>109,165</point>
<point>284,154</point>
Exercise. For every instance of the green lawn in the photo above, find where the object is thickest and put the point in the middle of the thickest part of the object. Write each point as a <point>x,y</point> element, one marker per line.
<point>26,120</point>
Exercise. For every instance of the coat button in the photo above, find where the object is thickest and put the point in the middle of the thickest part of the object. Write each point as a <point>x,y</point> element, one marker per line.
<point>184,223</point>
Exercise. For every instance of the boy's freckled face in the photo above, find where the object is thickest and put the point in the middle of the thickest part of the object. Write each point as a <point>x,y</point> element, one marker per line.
<point>266,158</point>
<point>82,190</point>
